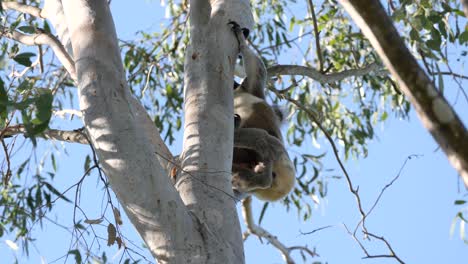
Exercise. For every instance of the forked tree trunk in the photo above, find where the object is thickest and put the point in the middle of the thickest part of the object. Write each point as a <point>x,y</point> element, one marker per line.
<point>196,222</point>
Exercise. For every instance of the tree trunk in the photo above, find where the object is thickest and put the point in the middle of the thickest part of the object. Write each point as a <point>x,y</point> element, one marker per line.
<point>205,185</point>
<point>196,222</point>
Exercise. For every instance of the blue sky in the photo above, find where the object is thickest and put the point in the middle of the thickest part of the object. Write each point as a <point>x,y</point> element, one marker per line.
<point>415,214</point>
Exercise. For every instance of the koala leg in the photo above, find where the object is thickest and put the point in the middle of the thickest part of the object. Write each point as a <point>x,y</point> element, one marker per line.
<point>268,147</point>
<point>245,180</point>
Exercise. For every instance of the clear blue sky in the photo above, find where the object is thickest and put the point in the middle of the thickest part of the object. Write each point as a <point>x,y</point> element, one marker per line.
<point>415,214</point>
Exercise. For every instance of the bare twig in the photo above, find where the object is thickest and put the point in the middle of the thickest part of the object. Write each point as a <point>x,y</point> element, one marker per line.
<point>392,255</point>
<point>72,112</point>
<point>73,136</point>
<point>283,42</point>
<point>312,116</point>
<point>44,38</point>
<point>316,230</point>
<point>324,78</point>
<point>390,183</point>
<point>30,10</point>
<point>254,229</point>
<point>368,255</point>
<point>6,177</point>
<point>354,191</point>
<point>454,74</point>
<point>317,38</point>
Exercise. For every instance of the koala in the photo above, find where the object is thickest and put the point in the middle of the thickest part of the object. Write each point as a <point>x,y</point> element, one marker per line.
<point>261,165</point>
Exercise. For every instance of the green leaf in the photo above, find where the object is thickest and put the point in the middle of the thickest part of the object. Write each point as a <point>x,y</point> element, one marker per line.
<point>399,14</point>
<point>460,202</point>
<point>27,29</point>
<point>262,213</point>
<point>77,254</point>
<point>463,37</point>
<point>54,164</point>
<point>24,58</point>
<point>384,116</point>
<point>44,106</point>
<point>87,163</point>
<point>435,41</point>
<point>26,118</point>
<point>46,27</point>
<point>25,86</point>
<point>414,35</point>
<point>3,101</point>
<point>56,192</point>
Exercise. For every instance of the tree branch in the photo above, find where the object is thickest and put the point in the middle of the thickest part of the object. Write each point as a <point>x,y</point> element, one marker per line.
<point>317,38</point>
<point>254,229</point>
<point>465,7</point>
<point>435,113</point>
<point>72,136</point>
<point>53,10</point>
<point>314,118</point>
<point>320,77</point>
<point>31,10</point>
<point>366,252</point>
<point>44,39</point>
<point>72,112</point>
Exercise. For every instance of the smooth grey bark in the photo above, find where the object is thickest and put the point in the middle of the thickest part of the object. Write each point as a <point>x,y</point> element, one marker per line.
<point>125,153</point>
<point>199,224</point>
<point>205,184</point>
<point>435,113</point>
<point>53,10</point>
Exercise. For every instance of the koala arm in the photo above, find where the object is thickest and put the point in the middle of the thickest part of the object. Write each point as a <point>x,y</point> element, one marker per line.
<point>258,140</point>
<point>255,70</point>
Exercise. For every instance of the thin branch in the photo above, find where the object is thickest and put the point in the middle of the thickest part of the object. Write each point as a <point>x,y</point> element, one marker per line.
<point>437,116</point>
<point>316,120</point>
<point>26,69</point>
<point>7,174</point>
<point>43,38</point>
<point>316,230</point>
<point>390,183</point>
<point>454,77</point>
<point>30,10</point>
<point>73,136</point>
<point>254,229</point>
<point>324,78</point>
<point>317,39</point>
<point>72,112</point>
<point>368,255</point>
<point>393,255</point>
<point>283,42</point>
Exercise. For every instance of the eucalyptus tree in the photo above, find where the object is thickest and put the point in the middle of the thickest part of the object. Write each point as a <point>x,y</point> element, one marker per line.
<point>340,84</point>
